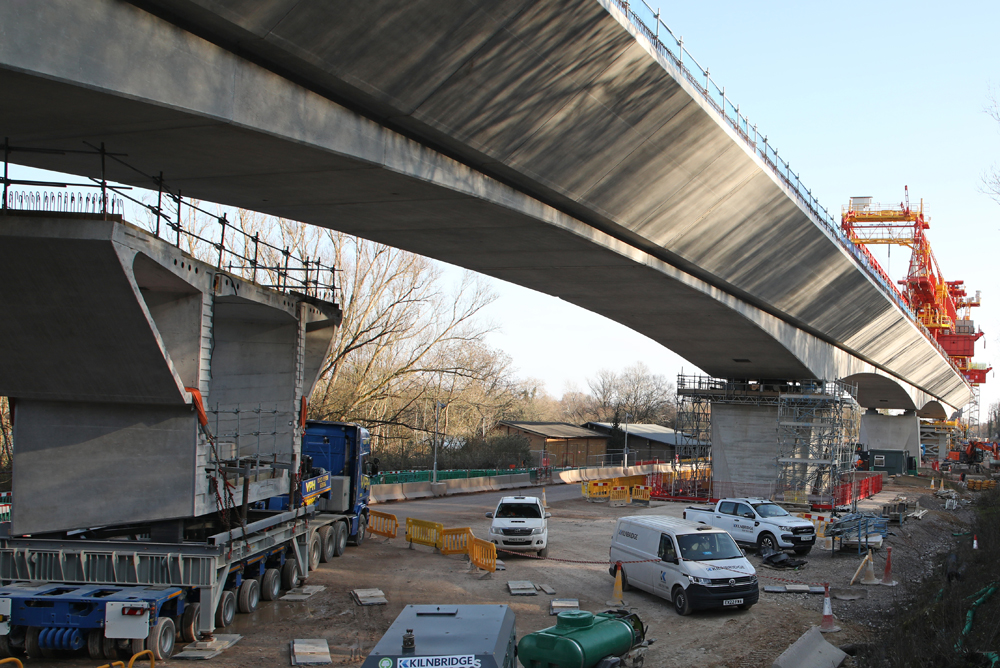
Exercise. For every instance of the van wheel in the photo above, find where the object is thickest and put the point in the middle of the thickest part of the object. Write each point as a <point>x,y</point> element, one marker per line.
<point>803,550</point>
<point>625,585</point>
<point>768,541</point>
<point>682,604</point>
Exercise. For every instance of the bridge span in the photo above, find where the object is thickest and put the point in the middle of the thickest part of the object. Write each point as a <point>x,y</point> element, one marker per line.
<point>554,145</point>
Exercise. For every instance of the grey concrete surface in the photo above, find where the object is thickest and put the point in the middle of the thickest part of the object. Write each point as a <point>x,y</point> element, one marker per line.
<point>745,448</point>
<point>103,343</point>
<point>540,143</point>
<point>891,432</point>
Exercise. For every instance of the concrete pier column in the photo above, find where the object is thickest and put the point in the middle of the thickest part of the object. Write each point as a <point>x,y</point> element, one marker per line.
<point>891,432</point>
<point>744,449</point>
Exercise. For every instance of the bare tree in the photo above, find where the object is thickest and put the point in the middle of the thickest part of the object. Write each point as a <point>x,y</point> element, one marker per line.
<point>991,178</point>
<point>646,397</point>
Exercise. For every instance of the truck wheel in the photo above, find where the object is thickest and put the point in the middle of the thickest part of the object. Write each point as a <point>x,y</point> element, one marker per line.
<point>136,645</point>
<point>768,541</point>
<point>249,596</point>
<point>362,528</point>
<point>339,538</point>
<point>270,586</point>
<point>326,541</point>
<point>315,551</point>
<point>803,550</point>
<point>189,622</point>
<point>226,612</point>
<point>682,604</point>
<point>290,574</point>
<point>95,644</point>
<point>31,647</point>
<point>161,639</point>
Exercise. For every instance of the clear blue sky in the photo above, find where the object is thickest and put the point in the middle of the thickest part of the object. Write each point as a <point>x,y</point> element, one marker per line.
<point>862,99</point>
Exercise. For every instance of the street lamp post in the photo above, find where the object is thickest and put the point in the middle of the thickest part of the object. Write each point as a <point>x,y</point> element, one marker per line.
<point>438,405</point>
<point>627,416</point>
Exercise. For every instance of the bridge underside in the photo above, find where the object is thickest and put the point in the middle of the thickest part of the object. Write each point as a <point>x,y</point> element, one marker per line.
<point>685,240</point>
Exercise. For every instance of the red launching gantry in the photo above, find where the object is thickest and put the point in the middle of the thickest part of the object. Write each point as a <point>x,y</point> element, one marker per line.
<point>943,307</point>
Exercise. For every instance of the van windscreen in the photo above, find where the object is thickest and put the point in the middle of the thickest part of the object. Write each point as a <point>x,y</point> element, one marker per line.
<point>521,511</point>
<point>708,546</point>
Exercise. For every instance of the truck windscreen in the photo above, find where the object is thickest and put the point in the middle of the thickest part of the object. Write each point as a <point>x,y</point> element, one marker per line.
<point>521,511</point>
<point>770,510</point>
<point>708,546</point>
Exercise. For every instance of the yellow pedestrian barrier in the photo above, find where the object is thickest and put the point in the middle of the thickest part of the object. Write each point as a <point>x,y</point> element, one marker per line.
<point>483,554</point>
<point>641,493</point>
<point>382,524</point>
<point>585,488</point>
<point>629,481</point>
<point>423,533</point>
<point>456,541</point>
<point>599,489</point>
<point>620,496</point>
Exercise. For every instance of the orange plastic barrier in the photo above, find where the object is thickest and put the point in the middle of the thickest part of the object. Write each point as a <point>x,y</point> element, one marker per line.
<point>456,541</point>
<point>382,524</point>
<point>483,554</point>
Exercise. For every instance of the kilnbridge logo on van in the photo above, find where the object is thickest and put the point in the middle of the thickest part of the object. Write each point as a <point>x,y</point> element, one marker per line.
<point>628,534</point>
<point>464,661</point>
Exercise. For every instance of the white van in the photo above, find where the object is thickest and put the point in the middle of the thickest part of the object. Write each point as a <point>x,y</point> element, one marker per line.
<point>520,523</point>
<point>695,566</point>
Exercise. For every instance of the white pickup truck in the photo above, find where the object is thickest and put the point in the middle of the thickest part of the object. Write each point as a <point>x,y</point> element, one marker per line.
<point>757,522</point>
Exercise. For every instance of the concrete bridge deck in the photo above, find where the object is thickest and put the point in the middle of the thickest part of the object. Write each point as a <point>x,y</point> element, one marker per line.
<point>547,144</point>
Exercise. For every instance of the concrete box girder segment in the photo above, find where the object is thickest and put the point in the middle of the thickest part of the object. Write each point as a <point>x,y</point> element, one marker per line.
<point>566,126</point>
<point>97,370</point>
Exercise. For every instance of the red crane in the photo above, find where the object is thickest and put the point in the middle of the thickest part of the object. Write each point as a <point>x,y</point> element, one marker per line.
<point>943,307</point>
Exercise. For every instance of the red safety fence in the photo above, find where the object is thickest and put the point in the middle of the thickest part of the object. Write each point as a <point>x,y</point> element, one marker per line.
<point>866,484</point>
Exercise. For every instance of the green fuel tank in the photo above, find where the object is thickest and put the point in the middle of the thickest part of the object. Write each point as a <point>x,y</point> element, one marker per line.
<point>579,640</point>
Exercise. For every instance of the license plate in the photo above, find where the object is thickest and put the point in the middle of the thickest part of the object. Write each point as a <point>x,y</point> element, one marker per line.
<point>512,541</point>
<point>733,601</point>
<point>809,539</point>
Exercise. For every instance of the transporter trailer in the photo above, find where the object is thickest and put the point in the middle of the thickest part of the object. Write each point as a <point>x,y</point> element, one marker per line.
<point>115,595</point>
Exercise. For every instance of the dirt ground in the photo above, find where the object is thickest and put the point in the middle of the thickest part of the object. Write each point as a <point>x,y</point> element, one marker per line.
<point>580,531</point>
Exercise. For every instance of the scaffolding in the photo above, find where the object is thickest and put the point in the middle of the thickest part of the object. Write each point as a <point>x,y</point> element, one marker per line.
<point>971,413</point>
<point>818,428</point>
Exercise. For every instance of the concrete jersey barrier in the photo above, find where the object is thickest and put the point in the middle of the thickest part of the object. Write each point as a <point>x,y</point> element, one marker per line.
<point>385,493</point>
<point>417,490</point>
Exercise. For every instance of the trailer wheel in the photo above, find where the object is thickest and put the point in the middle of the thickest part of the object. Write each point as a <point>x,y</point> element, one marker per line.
<point>161,639</point>
<point>12,644</point>
<point>95,644</point>
<point>339,538</point>
<point>189,622</point>
<point>270,586</point>
<point>110,649</point>
<point>326,542</point>
<point>315,551</point>
<point>290,574</point>
<point>359,537</point>
<point>136,645</point>
<point>226,612</point>
<point>249,596</point>
<point>31,647</point>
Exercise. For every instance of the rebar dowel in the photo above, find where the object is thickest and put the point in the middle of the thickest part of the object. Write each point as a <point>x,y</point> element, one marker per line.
<point>283,278</point>
<point>256,241</point>
<point>180,200</point>
<point>159,202</point>
<point>6,157</point>
<point>104,185</point>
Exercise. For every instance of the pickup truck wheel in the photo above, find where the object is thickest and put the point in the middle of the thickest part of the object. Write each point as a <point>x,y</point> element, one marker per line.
<point>290,574</point>
<point>767,540</point>
<point>315,551</point>
<point>226,612</point>
<point>326,542</point>
<point>803,550</point>
<point>682,604</point>
<point>248,597</point>
<point>362,528</point>
<point>339,538</point>
<point>95,644</point>
<point>270,586</point>
<point>161,639</point>
<point>544,552</point>
<point>189,622</point>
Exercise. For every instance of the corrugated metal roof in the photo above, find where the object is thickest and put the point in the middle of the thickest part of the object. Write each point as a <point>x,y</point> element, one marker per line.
<point>653,432</point>
<point>555,429</point>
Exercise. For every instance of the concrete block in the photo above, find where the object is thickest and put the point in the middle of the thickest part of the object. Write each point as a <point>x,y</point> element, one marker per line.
<point>438,488</point>
<point>416,490</point>
<point>501,482</point>
<point>386,493</point>
<point>519,480</point>
<point>810,651</point>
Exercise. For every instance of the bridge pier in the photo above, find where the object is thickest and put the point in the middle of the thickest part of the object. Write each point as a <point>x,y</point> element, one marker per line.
<point>891,432</point>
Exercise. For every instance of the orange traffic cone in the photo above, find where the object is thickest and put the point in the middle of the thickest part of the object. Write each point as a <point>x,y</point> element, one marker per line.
<point>617,597</point>
<point>887,578</point>
<point>827,626</point>
<point>932,483</point>
<point>975,542</point>
<point>545,504</point>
